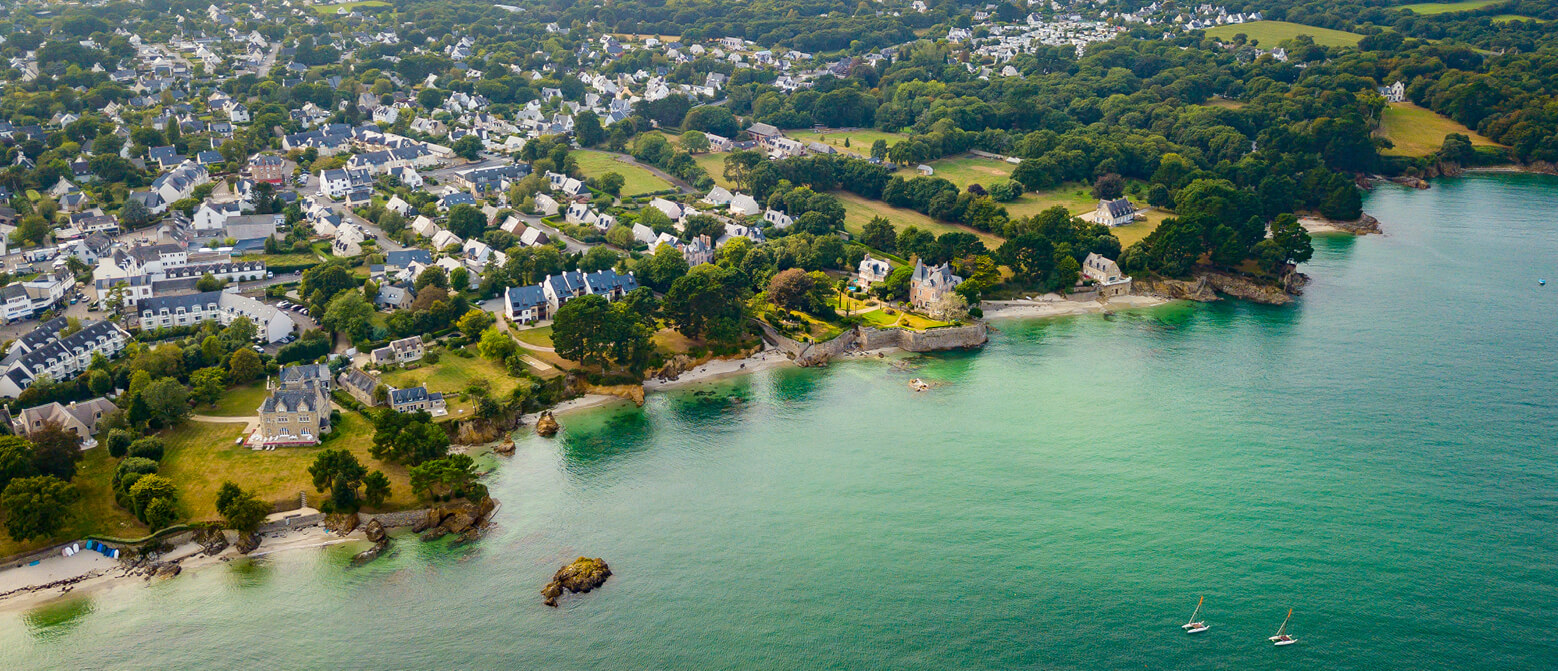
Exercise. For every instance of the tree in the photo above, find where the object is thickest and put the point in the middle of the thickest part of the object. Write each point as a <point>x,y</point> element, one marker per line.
<point>150,488</point>
<point>791,289</point>
<point>879,234</point>
<point>716,119</point>
<point>587,129</point>
<point>407,437</point>
<point>1031,256</point>
<point>207,384</point>
<point>161,513</point>
<point>322,282</point>
<point>208,282</point>
<point>660,270</point>
<point>376,488</point>
<point>1108,186</point>
<point>467,147</point>
<point>612,183</point>
<point>700,304</point>
<point>244,511</point>
<point>31,231</point>
<point>55,451</point>
<point>460,278</point>
<point>593,331</point>
<point>1292,241</point>
<point>351,314</point>
<point>694,142</point>
<point>168,401</point>
<point>150,447</point>
<point>134,214</point>
<point>15,460</point>
<point>451,476</point>
<point>598,258</point>
<point>467,221</point>
<point>240,333</point>
<point>495,344</point>
<point>474,322</point>
<point>36,507</point>
<point>433,276</point>
<point>245,366</point>
<point>119,442</point>
<point>338,472</point>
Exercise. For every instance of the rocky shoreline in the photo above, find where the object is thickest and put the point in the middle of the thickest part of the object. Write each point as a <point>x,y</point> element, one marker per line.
<point>1209,286</point>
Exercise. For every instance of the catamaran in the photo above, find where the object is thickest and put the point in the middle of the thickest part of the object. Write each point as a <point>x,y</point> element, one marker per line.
<point>1282,638</point>
<point>1195,626</point>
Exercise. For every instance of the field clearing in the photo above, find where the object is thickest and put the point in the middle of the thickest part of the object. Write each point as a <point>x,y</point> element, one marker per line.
<point>1224,103</point>
<point>94,513</point>
<point>638,180</point>
<point>540,335</point>
<point>451,375</point>
<point>859,140</point>
<point>1506,18</point>
<point>1418,131</point>
<point>238,402</point>
<point>714,164</point>
<point>200,456</point>
<point>327,10</point>
<point>859,211</point>
<point>966,170</point>
<point>1271,33</point>
<point>1431,8</point>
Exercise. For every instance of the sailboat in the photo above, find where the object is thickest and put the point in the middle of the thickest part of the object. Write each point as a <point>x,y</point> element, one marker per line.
<point>1195,626</point>
<point>1282,638</point>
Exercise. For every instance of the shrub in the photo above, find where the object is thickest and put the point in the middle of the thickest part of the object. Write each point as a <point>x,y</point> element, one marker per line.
<point>119,442</point>
<point>147,448</point>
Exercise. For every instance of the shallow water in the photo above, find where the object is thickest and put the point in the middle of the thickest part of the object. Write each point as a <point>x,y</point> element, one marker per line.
<point>1378,457</point>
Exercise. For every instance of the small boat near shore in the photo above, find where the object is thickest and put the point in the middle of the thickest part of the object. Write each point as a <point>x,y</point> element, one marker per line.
<point>1282,638</point>
<point>1195,626</point>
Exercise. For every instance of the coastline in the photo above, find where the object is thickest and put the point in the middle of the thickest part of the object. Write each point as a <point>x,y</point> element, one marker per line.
<point>91,574</point>
<point>1053,305</point>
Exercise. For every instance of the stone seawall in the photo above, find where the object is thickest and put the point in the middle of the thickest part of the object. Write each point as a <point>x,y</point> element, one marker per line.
<point>404,518</point>
<point>862,338</point>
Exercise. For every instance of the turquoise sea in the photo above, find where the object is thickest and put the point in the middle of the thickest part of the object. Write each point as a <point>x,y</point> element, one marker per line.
<point>1379,457</point>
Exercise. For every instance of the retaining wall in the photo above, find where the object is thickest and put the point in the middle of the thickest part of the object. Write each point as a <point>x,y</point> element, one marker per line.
<point>862,338</point>
<point>403,518</point>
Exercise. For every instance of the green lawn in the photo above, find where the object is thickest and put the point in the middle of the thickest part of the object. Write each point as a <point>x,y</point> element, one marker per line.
<point>349,6</point>
<point>1417,131</point>
<point>94,513</point>
<point>638,180</point>
<point>1506,18</point>
<point>966,170</point>
<point>541,335</point>
<point>1431,8</point>
<point>238,402</point>
<point>859,140</point>
<point>201,456</point>
<point>714,164</point>
<point>1271,33</point>
<point>858,211</point>
<point>453,374</point>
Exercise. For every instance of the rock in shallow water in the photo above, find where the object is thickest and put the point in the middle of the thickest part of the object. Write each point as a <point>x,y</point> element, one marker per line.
<point>583,575</point>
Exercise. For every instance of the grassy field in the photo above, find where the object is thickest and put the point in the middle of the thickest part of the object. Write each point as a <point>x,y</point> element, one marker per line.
<point>94,513</point>
<point>238,402</point>
<point>859,140</point>
<point>1417,131</point>
<point>453,374</point>
<point>1431,8</point>
<point>349,6</point>
<point>1271,33</point>
<point>1506,18</point>
<point>1224,103</point>
<point>200,456</point>
<point>639,180</point>
<point>541,335</point>
<point>966,170</point>
<point>859,211</point>
<point>714,164</point>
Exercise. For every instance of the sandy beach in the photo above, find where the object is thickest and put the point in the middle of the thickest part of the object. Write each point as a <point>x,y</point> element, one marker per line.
<point>1053,305</point>
<point>718,368</point>
<point>23,588</point>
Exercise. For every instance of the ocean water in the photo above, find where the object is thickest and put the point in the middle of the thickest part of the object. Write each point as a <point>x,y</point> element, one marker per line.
<point>1379,457</point>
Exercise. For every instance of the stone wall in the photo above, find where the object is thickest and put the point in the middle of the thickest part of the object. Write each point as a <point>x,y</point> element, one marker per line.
<point>863,338</point>
<point>404,518</point>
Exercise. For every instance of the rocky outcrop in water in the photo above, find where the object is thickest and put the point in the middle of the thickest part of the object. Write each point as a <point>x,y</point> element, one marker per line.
<point>1199,289</point>
<point>546,425</point>
<point>212,539</point>
<point>582,575</point>
<point>341,523</point>
<point>374,530</point>
<point>247,542</point>
<point>1247,289</point>
<point>465,519</point>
